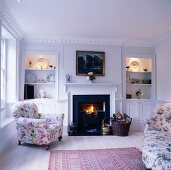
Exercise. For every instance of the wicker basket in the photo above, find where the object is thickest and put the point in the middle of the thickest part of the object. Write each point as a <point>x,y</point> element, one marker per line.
<point>120,127</point>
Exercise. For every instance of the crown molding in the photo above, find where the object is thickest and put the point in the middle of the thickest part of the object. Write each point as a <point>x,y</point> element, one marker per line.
<point>54,39</point>
<point>119,42</point>
<point>9,22</point>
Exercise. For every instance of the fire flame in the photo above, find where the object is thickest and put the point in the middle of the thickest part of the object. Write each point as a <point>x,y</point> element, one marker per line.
<point>90,110</point>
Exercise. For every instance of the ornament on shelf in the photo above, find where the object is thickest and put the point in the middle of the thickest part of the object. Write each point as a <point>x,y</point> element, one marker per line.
<point>68,78</point>
<point>51,66</point>
<point>91,77</point>
<point>42,63</point>
<point>42,93</point>
<point>138,93</point>
<point>30,64</point>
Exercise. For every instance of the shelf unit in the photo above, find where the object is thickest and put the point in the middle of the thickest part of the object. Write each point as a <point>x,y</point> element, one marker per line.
<point>40,73</point>
<point>40,76</point>
<point>138,63</point>
<point>138,79</point>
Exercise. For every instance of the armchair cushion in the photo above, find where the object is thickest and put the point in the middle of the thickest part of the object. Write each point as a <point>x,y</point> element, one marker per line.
<point>160,118</point>
<point>53,118</point>
<point>27,110</point>
<point>30,123</point>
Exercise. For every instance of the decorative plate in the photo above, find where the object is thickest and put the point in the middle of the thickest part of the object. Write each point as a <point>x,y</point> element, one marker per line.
<point>31,78</point>
<point>42,63</point>
<point>51,77</point>
<point>135,66</point>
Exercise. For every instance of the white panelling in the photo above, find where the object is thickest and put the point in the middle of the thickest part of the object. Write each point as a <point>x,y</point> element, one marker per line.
<point>138,50</point>
<point>163,69</point>
<point>138,110</point>
<point>112,61</point>
<point>113,72</point>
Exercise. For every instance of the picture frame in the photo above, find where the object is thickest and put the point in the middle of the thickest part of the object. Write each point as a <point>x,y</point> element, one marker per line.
<point>90,61</point>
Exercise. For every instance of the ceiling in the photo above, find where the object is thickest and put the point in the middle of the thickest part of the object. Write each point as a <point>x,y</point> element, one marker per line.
<point>145,20</point>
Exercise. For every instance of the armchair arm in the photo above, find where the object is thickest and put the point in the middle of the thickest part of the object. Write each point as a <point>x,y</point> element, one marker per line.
<point>151,124</point>
<point>30,123</point>
<point>54,118</point>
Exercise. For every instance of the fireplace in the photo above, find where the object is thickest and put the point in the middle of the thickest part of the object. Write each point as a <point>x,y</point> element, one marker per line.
<point>89,111</point>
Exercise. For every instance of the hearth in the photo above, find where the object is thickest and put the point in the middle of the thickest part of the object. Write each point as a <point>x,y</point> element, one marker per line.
<point>88,113</point>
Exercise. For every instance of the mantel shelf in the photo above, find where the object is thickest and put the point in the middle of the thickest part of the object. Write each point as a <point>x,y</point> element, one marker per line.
<point>90,84</point>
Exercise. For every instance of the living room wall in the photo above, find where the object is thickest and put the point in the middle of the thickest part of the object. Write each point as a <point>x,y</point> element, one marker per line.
<point>163,60</point>
<point>66,64</point>
<point>66,53</point>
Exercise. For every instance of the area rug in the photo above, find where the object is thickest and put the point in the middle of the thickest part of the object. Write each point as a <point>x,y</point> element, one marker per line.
<point>97,159</point>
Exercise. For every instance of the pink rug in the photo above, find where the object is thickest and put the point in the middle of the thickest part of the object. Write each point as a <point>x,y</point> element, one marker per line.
<point>98,159</point>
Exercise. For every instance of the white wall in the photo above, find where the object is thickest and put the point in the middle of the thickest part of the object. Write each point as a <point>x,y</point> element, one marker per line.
<point>67,61</point>
<point>163,70</point>
<point>112,63</point>
<point>66,64</point>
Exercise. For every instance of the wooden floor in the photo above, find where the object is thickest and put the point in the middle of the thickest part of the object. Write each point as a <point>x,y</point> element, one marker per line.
<point>31,157</point>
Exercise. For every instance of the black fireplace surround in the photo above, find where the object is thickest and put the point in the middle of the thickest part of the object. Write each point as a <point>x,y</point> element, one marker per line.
<point>88,113</point>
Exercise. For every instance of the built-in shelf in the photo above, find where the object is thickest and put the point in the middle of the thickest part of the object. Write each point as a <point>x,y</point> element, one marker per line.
<point>137,79</point>
<point>40,75</point>
<point>138,84</point>
<point>40,83</point>
<point>138,71</point>
<point>28,69</point>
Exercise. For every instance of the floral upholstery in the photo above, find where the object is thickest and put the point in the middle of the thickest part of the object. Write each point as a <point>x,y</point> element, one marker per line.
<point>157,139</point>
<point>27,110</point>
<point>36,128</point>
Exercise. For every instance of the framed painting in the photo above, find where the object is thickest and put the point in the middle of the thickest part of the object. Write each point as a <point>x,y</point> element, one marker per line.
<point>90,61</point>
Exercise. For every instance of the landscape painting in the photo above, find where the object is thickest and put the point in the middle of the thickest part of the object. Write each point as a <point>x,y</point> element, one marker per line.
<point>90,61</point>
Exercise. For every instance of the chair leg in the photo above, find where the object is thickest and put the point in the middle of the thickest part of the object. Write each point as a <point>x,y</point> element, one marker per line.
<point>60,138</point>
<point>19,142</point>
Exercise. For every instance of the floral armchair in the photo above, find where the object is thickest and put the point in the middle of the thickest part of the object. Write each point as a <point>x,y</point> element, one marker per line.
<point>35,128</point>
<point>157,139</point>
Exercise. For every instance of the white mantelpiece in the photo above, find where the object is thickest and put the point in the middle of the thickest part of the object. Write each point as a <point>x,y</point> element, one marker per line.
<point>90,89</point>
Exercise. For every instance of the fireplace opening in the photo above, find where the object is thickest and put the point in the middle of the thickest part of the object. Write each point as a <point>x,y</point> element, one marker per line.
<point>89,111</point>
<point>90,108</point>
<point>91,115</point>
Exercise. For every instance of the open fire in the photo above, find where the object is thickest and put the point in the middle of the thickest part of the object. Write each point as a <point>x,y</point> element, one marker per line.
<point>88,113</point>
<point>90,108</point>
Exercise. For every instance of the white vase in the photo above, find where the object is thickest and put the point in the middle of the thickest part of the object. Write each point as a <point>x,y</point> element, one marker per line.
<point>42,93</point>
<point>91,81</point>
